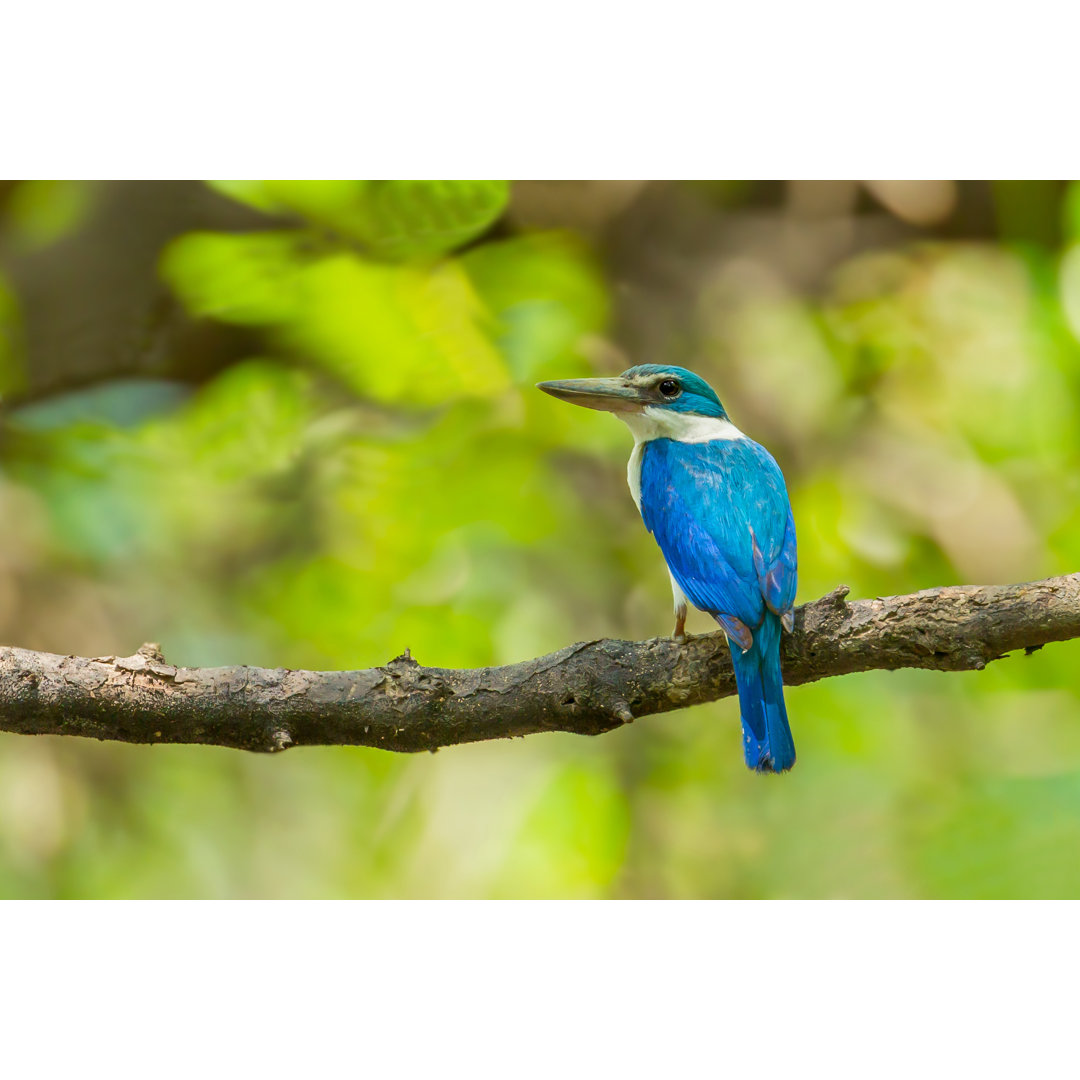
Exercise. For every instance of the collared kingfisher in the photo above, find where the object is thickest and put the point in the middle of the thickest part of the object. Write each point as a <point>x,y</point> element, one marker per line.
<point>717,505</point>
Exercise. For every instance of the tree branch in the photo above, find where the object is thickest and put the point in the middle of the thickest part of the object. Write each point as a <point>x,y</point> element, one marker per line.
<point>588,688</point>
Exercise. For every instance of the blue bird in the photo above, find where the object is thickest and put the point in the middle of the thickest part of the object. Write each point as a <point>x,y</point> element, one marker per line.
<point>717,505</point>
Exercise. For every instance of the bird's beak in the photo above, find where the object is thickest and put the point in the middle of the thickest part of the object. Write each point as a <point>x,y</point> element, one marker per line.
<point>611,395</point>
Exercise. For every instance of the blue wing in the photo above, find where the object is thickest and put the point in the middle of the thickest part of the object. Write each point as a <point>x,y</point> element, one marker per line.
<point>720,512</point>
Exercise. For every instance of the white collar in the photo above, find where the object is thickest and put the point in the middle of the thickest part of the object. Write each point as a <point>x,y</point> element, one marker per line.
<point>653,423</point>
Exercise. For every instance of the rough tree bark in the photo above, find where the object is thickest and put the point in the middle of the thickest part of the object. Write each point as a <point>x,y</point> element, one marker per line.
<point>588,688</point>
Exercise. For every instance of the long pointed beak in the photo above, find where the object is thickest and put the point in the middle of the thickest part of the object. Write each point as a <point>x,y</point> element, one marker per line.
<point>611,395</point>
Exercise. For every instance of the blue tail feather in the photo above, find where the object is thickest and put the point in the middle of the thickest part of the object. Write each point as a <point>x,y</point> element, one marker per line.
<point>767,740</point>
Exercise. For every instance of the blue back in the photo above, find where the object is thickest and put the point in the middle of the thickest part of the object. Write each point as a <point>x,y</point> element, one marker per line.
<point>719,511</point>
<point>701,501</point>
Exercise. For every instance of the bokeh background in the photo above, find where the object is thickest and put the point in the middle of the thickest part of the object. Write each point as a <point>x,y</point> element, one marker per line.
<point>294,424</point>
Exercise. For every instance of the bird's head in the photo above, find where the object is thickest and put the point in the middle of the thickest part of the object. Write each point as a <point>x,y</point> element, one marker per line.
<point>641,390</point>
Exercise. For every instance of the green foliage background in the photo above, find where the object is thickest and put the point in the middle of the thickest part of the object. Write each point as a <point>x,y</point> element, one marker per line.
<point>376,471</point>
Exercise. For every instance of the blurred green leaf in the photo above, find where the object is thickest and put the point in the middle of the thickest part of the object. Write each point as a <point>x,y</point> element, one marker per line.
<point>411,335</point>
<point>408,335</point>
<point>391,219</point>
<point>43,211</point>
<point>546,294</point>
<point>250,279</point>
<point>121,403</point>
<point>252,193</point>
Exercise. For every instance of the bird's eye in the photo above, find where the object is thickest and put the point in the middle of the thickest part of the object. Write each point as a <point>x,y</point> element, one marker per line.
<point>669,388</point>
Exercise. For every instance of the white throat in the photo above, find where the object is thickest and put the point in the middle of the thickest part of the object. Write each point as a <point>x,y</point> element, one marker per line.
<point>653,423</point>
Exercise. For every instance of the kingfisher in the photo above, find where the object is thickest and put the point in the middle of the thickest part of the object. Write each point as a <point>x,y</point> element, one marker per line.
<point>716,503</point>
